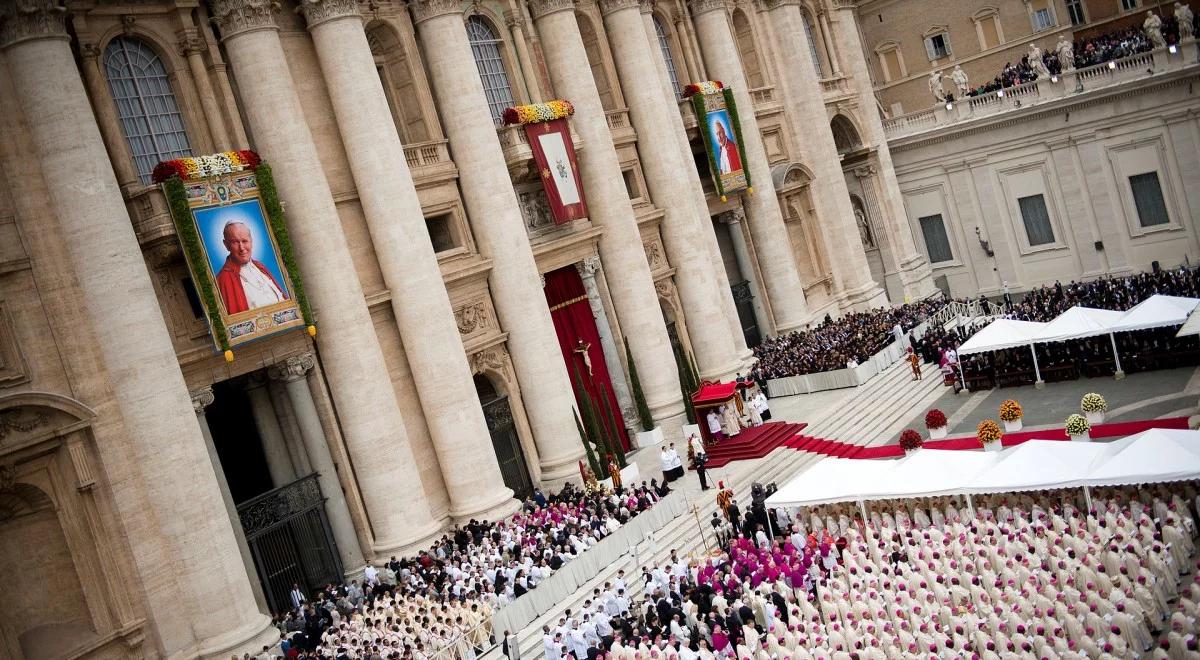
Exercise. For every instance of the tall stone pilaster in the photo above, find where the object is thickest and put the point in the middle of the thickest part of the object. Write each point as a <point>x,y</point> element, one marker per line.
<point>183,542</point>
<point>741,252</point>
<point>675,188</point>
<point>408,263</point>
<point>352,358</point>
<point>775,257</point>
<point>612,355</point>
<point>915,274</point>
<point>609,207</point>
<point>806,114</point>
<point>266,422</point>
<point>496,219</point>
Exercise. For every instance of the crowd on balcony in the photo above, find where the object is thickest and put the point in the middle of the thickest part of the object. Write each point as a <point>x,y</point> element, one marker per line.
<point>439,603</point>
<point>1143,350</point>
<point>1022,575</point>
<point>848,341</point>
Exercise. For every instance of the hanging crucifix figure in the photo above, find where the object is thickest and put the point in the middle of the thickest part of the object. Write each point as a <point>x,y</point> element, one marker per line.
<point>582,347</point>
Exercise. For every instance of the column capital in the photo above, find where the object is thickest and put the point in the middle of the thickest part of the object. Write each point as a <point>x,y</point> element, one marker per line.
<point>772,4</point>
<point>705,6</point>
<point>865,171</point>
<point>254,380</point>
<point>234,17</point>
<point>191,42</point>
<point>423,10</point>
<point>316,12</point>
<point>733,216</point>
<point>609,6</point>
<point>540,8</point>
<point>588,266</point>
<point>646,6</point>
<point>202,398</point>
<point>23,20</point>
<point>293,368</point>
<point>845,4</point>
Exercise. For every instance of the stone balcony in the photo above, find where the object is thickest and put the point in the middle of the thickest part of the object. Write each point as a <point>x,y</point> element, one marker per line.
<point>428,159</point>
<point>1067,85</point>
<point>835,88</point>
<point>620,126</point>
<point>518,155</point>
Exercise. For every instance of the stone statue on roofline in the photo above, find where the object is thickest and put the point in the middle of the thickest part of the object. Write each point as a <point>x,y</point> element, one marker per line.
<point>935,86</point>
<point>1066,52</point>
<point>1153,29</point>
<point>1185,18</point>
<point>961,82</point>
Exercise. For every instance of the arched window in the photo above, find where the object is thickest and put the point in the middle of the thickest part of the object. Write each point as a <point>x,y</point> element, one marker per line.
<point>145,103</point>
<point>744,34</point>
<point>665,46</point>
<point>485,46</point>
<point>812,45</point>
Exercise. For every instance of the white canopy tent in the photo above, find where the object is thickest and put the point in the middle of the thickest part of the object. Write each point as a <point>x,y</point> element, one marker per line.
<point>1152,456</point>
<point>1082,322</point>
<point>1005,333</point>
<point>1157,311</point>
<point>1191,326</point>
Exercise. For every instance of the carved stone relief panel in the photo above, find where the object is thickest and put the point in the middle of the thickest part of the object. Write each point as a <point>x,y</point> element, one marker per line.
<point>475,317</point>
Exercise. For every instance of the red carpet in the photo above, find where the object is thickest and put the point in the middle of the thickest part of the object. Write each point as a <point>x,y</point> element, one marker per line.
<point>967,442</point>
<point>752,443</point>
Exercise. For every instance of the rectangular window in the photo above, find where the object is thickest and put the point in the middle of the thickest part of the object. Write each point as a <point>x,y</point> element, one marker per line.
<point>1075,11</point>
<point>936,241</point>
<point>991,33</point>
<point>1036,219</point>
<point>891,65</point>
<point>631,184</point>
<point>440,234</point>
<point>937,46</point>
<point>1129,5</point>
<point>1042,20</point>
<point>1148,198</point>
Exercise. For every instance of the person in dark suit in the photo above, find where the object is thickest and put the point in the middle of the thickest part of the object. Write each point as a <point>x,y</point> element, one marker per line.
<point>735,514</point>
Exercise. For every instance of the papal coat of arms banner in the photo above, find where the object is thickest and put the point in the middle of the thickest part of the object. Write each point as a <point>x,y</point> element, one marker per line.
<point>549,137</point>
<point>717,118</point>
<point>230,225</point>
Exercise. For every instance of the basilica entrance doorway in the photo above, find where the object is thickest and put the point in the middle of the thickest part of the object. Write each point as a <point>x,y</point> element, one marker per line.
<point>506,443</point>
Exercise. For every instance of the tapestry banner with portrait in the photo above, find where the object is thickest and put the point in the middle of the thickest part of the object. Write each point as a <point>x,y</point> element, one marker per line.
<point>230,224</point>
<point>549,136</point>
<point>721,131</point>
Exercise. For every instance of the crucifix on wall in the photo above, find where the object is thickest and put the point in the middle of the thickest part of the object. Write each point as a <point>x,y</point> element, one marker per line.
<point>582,348</point>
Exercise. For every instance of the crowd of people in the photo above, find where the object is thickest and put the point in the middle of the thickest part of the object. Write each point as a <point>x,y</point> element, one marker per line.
<point>1143,350</point>
<point>846,342</point>
<point>1030,575</point>
<point>439,604</point>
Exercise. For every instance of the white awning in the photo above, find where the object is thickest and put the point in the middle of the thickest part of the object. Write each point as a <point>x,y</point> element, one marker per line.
<point>829,481</point>
<point>1191,326</point>
<point>1157,311</point>
<point>1078,323</point>
<point>1045,464</point>
<point>1001,334</point>
<point>1150,457</point>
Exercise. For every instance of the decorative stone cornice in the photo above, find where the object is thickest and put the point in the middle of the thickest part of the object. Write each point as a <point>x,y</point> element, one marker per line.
<point>317,12</point>
<point>202,398</point>
<point>845,4</point>
<point>423,10</point>
<point>21,20</point>
<point>540,8</point>
<point>293,368</point>
<point>234,17</point>
<point>705,6</point>
<point>609,6</point>
<point>772,4</point>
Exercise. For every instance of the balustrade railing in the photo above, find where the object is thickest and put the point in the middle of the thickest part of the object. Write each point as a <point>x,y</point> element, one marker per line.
<point>424,154</point>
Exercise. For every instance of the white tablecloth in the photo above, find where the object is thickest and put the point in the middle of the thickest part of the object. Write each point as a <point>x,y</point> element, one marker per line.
<point>565,581</point>
<point>839,378</point>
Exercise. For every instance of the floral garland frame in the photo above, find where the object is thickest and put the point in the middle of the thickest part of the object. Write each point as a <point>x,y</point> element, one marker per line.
<point>696,92</point>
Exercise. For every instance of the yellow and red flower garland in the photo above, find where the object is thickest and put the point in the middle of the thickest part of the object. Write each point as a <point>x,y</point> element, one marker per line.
<point>535,113</point>
<point>703,88</point>
<point>198,167</point>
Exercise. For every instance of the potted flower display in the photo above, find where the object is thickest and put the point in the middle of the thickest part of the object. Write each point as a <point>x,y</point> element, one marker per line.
<point>1093,406</point>
<point>1078,427</point>
<point>1010,414</point>
<point>910,441</point>
<point>989,435</point>
<point>935,421</point>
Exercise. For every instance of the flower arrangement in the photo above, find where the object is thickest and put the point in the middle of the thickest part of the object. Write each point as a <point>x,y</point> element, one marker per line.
<point>935,419</point>
<point>535,113</point>
<point>1093,403</point>
<point>988,432</point>
<point>910,440</point>
<point>1077,425</point>
<point>702,88</point>
<point>198,167</point>
<point>1010,410</point>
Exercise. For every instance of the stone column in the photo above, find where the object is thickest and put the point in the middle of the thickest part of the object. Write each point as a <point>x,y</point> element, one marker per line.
<point>500,232</point>
<point>612,354</point>
<point>408,263</point>
<point>830,53</point>
<point>775,257</point>
<point>106,116</point>
<point>675,187</point>
<point>183,541</point>
<point>915,275</point>
<point>807,117</point>
<point>515,20</point>
<point>679,133</point>
<point>741,252</point>
<point>293,372</point>
<point>192,46</point>
<point>609,207</point>
<point>289,427</point>
<point>201,400</point>
<point>353,360</point>
<point>279,461</point>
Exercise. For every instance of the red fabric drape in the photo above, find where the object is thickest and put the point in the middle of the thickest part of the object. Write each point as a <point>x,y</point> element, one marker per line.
<point>573,321</point>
